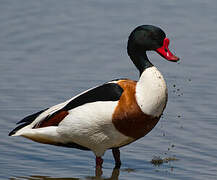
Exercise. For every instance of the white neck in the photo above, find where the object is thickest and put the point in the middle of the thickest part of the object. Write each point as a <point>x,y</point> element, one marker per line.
<point>151,92</point>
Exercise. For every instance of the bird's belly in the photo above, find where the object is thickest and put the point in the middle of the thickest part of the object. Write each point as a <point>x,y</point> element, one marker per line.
<point>96,139</point>
<point>91,126</point>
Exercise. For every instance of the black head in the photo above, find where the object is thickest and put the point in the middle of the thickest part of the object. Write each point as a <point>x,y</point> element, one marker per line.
<point>148,37</point>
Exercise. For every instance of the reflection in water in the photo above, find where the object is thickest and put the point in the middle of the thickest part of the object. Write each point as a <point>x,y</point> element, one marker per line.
<point>42,178</point>
<point>114,176</point>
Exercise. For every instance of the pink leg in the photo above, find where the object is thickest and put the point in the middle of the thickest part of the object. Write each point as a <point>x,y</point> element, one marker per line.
<point>99,162</point>
<point>116,155</point>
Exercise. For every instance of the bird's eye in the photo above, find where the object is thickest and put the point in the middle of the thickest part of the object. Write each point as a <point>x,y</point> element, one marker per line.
<point>166,49</point>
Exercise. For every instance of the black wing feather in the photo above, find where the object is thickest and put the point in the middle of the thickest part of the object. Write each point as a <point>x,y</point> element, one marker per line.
<point>105,92</point>
<point>29,119</point>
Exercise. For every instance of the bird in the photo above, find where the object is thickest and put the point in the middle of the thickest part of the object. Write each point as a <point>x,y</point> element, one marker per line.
<point>110,115</point>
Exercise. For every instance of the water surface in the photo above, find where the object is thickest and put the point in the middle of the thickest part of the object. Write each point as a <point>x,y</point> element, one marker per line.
<point>51,50</point>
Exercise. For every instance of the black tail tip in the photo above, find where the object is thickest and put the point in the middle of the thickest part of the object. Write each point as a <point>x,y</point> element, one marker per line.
<point>17,128</point>
<point>11,133</point>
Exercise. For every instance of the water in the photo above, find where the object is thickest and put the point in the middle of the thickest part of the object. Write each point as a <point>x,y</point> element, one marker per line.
<point>51,50</point>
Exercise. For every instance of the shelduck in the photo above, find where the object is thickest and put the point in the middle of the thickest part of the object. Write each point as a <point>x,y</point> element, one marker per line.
<point>113,114</point>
